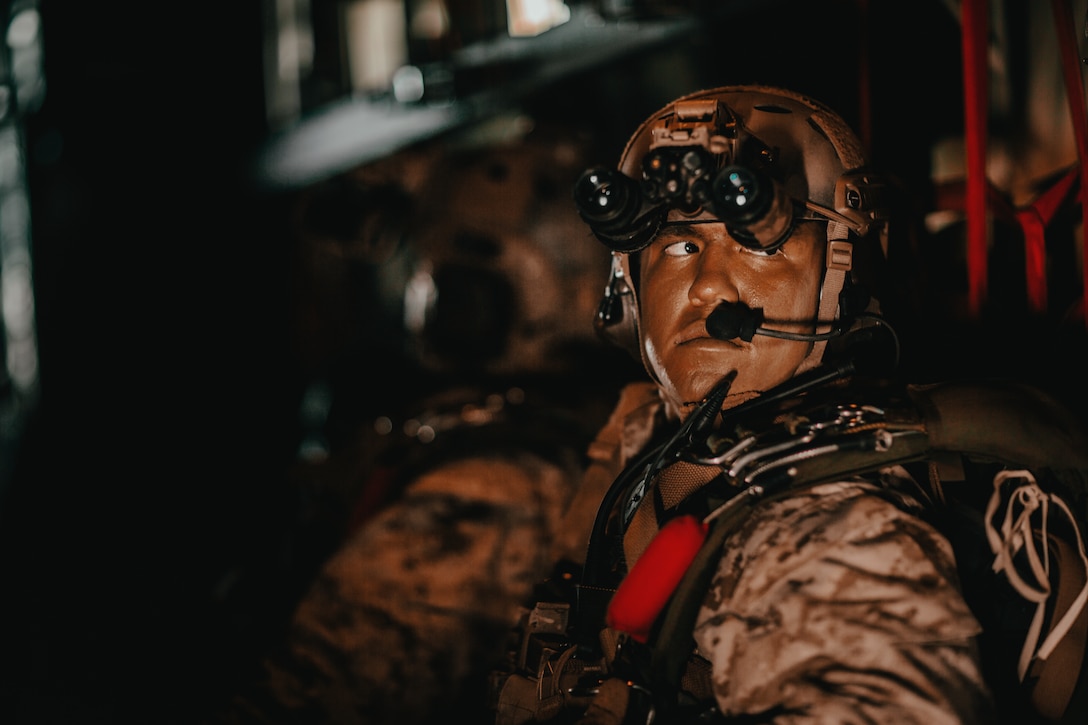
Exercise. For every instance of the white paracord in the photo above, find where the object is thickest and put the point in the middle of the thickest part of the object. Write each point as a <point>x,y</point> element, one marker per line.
<point>1016,534</point>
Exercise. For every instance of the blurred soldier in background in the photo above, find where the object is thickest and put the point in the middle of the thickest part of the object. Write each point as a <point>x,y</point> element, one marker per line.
<point>463,269</point>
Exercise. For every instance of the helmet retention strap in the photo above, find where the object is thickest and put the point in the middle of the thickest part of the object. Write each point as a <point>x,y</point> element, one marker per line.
<point>839,260</point>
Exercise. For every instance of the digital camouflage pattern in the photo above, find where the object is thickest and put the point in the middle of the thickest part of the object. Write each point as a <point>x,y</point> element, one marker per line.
<point>832,605</point>
<point>835,605</point>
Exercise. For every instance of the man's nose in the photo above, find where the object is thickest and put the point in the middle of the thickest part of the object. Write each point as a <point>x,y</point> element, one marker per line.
<point>713,281</point>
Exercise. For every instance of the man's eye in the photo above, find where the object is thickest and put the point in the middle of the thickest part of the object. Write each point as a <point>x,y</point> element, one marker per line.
<point>763,252</point>
<point>679,249</point>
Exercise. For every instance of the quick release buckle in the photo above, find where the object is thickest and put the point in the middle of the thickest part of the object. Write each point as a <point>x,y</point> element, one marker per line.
<point>840,255</point>
<point>800,437</point>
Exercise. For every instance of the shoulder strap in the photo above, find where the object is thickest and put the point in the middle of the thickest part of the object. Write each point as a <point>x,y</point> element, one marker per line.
<point>671,645</point>
<point>1003,421</point>
<point>628,429</point>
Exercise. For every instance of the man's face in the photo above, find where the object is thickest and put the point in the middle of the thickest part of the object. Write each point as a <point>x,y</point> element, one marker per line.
<point>688,270</point>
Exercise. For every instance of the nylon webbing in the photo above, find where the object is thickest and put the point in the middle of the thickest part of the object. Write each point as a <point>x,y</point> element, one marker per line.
<point>1033,221</point>
<point>670,487</point>
<point>974,36</point>
<point>1074,90</point>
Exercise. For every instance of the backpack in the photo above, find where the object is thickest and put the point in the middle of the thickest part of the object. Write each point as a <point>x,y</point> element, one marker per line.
<point>1005,470</point>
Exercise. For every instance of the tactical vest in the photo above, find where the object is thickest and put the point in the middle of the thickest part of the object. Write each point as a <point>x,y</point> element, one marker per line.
<point>1004,474</point>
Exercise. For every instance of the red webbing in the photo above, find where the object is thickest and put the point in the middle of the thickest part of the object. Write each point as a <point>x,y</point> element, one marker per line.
<point>1033,220</point>
<point>974,31</point>
<point>1074,89</point>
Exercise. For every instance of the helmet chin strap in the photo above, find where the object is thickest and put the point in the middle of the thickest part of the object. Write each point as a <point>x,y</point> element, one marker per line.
<point>839,260</point>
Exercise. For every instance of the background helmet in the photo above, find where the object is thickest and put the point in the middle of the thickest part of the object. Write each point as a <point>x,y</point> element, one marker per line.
<point>760,159</point>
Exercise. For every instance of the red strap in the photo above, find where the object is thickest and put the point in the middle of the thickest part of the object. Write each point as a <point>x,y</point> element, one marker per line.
<point>974,31</point>
<point>1034,257</point>
<point>1074,90</point>
<point>974,28</point>
<point>1033,220</point>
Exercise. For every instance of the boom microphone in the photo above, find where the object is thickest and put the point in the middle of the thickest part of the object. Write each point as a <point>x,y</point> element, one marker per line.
<point>869,349</point>
<point>731,320</point>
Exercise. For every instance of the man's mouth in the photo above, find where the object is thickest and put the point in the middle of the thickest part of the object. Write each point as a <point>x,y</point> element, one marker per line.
<point>696,332</point>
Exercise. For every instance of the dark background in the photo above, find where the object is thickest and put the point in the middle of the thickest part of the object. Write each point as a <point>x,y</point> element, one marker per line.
<point>151,541</point>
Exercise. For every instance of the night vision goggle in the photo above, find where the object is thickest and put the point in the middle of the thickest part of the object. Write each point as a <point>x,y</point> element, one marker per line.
<point>700,158</point>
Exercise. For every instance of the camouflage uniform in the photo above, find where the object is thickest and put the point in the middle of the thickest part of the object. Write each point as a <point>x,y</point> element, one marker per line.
<point>403,621</point>
<point>834,605</point>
